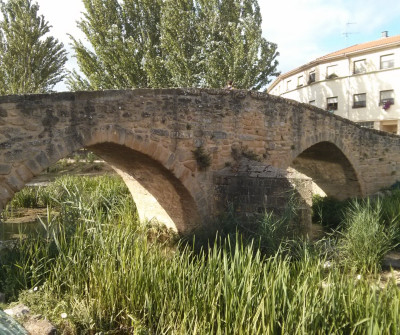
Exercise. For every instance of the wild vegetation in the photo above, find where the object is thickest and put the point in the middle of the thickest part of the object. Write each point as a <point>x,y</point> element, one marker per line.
<point>185,43</point>
<point>109,273</point>
<point>31,61</point>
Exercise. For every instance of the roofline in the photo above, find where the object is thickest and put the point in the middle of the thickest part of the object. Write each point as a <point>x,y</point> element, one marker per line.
<point>322,60</point>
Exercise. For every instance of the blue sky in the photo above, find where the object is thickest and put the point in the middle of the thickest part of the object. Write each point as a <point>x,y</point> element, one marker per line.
<point>303,29</point>
<point>307,29</point>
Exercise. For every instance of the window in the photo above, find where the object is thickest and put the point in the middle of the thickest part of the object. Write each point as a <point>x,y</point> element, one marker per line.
<point>387,61</point>
<point>332,104</point>
<point>386,98</point>
<point>311,77</point>
<point>367,124</point>
<point>299,81</point>
<point>312,102</point>
<point>359,66</point>
<point>288,85</point>
<point>359,100</point>
<point>331,72</point>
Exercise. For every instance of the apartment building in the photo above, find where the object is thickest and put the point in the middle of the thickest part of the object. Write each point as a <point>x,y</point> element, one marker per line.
<point>361,83</point>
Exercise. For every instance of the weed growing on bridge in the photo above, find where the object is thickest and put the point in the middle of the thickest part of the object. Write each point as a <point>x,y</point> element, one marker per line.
<point>203,159</point>
<point>101,270</point>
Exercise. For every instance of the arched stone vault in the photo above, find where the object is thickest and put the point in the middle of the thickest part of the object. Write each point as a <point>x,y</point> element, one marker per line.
<point>149,135</point>
<point>158,194</point>
<point>330,169</point>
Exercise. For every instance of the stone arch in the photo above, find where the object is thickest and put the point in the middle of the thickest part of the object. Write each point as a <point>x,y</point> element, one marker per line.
<point>150,169</point>
<point>330,169</point>
<point>159,195</point>
<point>31,163</point>
<point>163,188</point>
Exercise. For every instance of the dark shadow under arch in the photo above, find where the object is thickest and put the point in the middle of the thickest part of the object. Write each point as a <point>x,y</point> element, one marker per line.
<point>330,169</point>
<point>158,194</point>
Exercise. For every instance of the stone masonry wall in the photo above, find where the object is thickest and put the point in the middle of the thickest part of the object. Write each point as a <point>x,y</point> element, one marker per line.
<point>158,130</point>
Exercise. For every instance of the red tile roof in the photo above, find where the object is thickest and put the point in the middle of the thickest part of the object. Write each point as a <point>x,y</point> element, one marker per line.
<point>382,42</point>
<point>363,46</point>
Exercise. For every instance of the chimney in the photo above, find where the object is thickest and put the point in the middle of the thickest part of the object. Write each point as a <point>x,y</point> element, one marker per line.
<point>384,34</point>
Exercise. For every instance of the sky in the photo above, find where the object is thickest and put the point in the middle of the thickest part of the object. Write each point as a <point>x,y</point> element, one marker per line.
<point>302,29</point>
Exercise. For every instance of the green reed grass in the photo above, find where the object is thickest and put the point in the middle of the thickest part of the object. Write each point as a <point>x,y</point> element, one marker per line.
<point>366,239</point>
<point>101,269</point>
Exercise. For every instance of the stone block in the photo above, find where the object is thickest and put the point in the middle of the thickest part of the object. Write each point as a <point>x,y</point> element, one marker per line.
<point>5,169</point>
<point>24,173</point>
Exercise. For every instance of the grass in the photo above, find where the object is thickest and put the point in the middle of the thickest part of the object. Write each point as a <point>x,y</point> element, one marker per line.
<point>365,239</point>
<point>99,265</point>
<point>328,211</point>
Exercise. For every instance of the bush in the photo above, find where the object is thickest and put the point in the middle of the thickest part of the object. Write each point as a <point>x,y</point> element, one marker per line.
<point>26,198</point>
<point>365,239</point>
<point>391,211</point>
<point>328,211</point>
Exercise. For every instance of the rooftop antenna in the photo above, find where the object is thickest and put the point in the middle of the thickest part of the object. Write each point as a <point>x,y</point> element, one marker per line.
<point>347,33</point>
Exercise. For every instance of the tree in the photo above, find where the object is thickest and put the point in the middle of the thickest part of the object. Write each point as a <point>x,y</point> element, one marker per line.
<point>125,41</point>
<point>29,61</point>
<point>173,43</point>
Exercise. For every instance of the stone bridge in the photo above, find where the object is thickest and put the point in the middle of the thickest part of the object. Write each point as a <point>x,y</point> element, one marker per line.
<point>186,153</point>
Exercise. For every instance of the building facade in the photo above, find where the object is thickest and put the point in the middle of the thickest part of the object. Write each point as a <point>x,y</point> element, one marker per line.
<point>360,83</point>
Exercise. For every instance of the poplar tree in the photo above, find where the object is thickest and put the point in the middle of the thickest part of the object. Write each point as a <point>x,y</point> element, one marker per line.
<point>125,45</point>
<point>173,43</point>
<point>29,61</point>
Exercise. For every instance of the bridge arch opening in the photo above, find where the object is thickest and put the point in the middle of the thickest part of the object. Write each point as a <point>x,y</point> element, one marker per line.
<point>159,195</point>
<point>329,169</point>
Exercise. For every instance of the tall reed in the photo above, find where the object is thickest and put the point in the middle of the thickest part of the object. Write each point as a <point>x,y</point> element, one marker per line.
<point>107,276</point>
<point>366,239</point>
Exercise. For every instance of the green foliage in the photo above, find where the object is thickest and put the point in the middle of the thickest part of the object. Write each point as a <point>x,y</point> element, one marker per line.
<point>110,278</point>
<point>173,43</point>
<point>365,239</point>
<point>30,62</point>
<point>77,199</point>
<point>203,159</point>
<point>391,211</point>
<point>99,266</point>
<point>328,211</point>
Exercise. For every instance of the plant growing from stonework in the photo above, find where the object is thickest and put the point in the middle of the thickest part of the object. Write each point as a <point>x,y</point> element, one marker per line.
<point>203,159</point>
<point>30,61</point>
<point>244,151</point>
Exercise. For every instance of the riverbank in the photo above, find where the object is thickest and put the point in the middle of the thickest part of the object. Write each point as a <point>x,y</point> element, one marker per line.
<point>100,270</point>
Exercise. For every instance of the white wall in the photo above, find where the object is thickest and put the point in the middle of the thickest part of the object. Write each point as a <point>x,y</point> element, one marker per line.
<point>347,84</point>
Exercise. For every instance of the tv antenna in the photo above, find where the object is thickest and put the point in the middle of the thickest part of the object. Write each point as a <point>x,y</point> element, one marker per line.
<point>347,33</point>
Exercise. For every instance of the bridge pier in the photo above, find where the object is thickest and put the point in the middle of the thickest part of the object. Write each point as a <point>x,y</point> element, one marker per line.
<point>254,188</point>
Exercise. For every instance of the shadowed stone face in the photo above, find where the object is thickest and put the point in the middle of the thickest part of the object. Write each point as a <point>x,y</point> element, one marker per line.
<point>330,170</point>
<point>248,140</point>
<point>157,193</point>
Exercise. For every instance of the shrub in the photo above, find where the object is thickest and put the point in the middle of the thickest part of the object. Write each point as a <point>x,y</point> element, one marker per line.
<point>365,239</point>
<point>203,159</point>
<point>26,198</point>
<point>328,211</point>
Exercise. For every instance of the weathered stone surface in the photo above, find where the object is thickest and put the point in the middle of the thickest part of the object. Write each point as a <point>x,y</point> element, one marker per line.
<point>36,325</point>
<point>250,139</point>
<point>18,311</point>
<point>5,169</point>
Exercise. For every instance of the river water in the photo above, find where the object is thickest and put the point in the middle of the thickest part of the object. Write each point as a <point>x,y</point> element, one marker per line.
<point>24,222</point>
